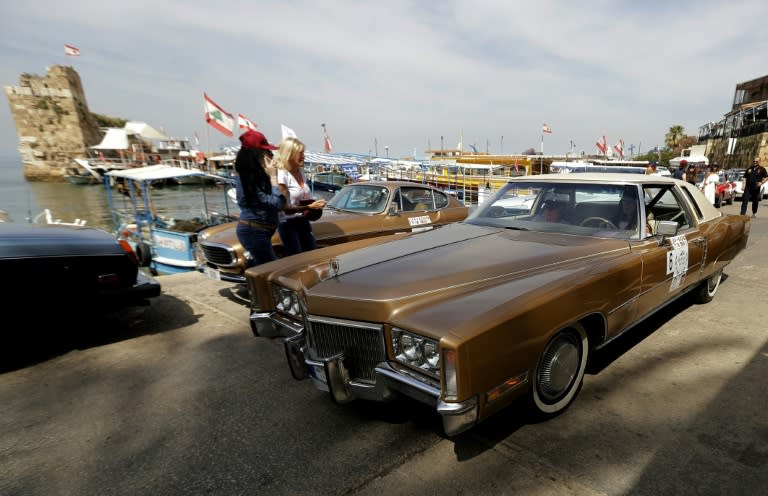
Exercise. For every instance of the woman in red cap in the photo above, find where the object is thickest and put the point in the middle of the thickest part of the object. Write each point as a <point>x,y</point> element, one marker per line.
<point>259,202</point>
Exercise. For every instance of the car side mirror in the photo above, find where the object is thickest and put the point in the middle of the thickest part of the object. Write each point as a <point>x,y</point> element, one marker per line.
<point>666,228</point>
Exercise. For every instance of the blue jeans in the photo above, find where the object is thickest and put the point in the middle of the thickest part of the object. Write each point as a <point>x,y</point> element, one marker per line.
<point>297,236</point>
<point>257,242</point>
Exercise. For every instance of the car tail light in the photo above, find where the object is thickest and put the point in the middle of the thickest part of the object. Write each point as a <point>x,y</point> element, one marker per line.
<point>126,246</point>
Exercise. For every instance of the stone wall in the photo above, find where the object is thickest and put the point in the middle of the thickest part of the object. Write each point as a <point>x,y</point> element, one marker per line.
<point>52,121</point>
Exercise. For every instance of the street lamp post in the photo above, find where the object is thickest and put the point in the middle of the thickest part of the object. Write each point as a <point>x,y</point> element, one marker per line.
<point>386,149</point>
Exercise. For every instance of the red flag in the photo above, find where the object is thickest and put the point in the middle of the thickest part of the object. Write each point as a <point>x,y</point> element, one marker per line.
<point>71,50</point>
<point>245,123</point>
<point>546,129</point>
<point>217,117</point>
<point>327,146</point>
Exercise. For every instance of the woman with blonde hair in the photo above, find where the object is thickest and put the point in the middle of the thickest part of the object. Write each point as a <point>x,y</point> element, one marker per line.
<point>294,227</point>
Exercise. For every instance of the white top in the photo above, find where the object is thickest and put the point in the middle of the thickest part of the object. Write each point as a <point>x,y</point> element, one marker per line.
<point>296,191</point>
<point>710,187</point>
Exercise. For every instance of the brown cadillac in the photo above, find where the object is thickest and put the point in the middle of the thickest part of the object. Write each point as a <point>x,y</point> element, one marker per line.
<point>357,211</point>
<point>507,305</point>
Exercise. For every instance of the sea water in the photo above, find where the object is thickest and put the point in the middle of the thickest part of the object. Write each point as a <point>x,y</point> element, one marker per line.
<point>24,200</point>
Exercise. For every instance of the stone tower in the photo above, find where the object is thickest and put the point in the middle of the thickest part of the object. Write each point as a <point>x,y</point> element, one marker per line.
<point>52,121</point>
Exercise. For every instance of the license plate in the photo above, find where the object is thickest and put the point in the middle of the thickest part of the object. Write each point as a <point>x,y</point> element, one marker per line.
<point>318,372</point>
<point>212,273</point>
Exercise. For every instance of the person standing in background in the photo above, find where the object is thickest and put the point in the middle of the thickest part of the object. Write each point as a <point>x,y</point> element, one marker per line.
<point>295,228</point>
<point>680,171</point>
<point>259,202</point>
<point>709,186</point>
<point>754,177</point>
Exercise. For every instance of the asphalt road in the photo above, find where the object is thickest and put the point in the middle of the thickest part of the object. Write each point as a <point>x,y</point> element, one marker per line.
<point>179,397</point>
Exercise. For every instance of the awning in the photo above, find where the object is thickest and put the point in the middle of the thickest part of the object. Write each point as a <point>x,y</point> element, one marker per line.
<point>144,130</point>
<point>153,172</point>
<point>115,139</point>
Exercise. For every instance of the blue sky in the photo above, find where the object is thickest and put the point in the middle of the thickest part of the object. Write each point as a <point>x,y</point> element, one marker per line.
<point>399,74</point>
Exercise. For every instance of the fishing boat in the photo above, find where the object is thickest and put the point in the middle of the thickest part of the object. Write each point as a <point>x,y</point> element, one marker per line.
<point>165,245</point>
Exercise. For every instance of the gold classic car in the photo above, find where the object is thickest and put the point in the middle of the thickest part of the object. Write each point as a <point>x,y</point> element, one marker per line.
<point>360,210</point>
<point>506,306</point>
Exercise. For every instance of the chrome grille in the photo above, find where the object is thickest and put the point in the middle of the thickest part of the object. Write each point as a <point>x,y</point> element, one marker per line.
<point>220,255</point>
<point>362,344</point>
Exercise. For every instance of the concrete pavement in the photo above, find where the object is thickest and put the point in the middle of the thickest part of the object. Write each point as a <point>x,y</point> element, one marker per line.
<point>180,398</point>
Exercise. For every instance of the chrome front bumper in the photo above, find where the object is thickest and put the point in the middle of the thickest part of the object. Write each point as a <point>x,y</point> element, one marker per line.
<point>331,375</point>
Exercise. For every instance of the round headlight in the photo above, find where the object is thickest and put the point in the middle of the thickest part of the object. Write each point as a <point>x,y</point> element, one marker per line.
<point>411,347</point>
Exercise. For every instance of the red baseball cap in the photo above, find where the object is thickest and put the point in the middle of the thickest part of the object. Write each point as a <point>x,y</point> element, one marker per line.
<point>682,162</point>
<point>255,139</point>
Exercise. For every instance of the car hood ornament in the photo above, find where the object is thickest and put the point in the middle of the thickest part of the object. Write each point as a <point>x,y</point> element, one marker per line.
<point>334,267</point>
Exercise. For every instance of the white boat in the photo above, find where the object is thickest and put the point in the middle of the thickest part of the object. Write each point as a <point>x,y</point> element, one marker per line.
<point>166,246</point>
<point>46,217</point>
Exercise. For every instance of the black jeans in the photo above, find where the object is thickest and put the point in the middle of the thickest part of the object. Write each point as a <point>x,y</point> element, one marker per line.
<point>752,195</point>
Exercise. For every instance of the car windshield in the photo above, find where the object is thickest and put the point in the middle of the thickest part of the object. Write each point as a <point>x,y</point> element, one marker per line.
<point>368,199</point>
<point>588,209</point>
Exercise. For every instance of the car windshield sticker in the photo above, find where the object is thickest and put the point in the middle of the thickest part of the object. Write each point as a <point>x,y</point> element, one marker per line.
<point>677,260</point>
<point>419,221</point>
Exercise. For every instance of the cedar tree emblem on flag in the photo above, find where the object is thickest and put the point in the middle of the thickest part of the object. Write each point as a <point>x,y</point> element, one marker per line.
<point>327,146</point>
<point>72,51</point>
<point>245,123</point>
<point>546,129</point>
<point>218,117</point>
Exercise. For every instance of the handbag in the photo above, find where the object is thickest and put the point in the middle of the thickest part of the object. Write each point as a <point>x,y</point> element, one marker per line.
<point>311,213</point>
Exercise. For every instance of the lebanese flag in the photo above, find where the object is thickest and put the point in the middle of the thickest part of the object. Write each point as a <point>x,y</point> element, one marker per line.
<point>245,123</point>
<point>602,146</point>
<point>72,51</point>
<point>217,117</point>
<point>546,129</point>
<point>327,146</point>
<point>619,147</point>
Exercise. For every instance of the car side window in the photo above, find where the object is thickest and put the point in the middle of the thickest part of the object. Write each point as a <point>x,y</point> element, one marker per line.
<point>664,204</point>
<point>441,199</point>
<point>416,199</point>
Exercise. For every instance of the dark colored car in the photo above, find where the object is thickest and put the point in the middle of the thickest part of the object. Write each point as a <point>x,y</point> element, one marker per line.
<point>55,267</point>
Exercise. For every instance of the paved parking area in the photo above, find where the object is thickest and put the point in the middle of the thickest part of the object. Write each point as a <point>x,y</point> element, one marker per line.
<point>180,398</point>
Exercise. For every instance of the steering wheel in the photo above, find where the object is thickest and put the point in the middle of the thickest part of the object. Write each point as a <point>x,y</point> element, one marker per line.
<point>600,222</point>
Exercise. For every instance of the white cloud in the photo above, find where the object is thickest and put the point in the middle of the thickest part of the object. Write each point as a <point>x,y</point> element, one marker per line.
<point>400,73</point>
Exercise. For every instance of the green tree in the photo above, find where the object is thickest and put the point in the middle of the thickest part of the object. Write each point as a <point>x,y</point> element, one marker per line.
<point>675,135</point>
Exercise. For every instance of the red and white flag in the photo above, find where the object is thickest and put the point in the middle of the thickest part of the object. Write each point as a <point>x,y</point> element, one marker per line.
<point>602,146</point>
<point>72,51</point>
<point>217,117</point>
<point>619,147</point>
<point>546,129</point>
<point>327,146</point>
<point>245,123</point>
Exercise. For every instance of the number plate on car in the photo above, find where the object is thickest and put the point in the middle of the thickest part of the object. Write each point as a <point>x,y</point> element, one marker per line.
<point>212,273</point>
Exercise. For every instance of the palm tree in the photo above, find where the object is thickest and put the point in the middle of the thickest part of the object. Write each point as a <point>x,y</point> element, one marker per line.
<point>674,136</point>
